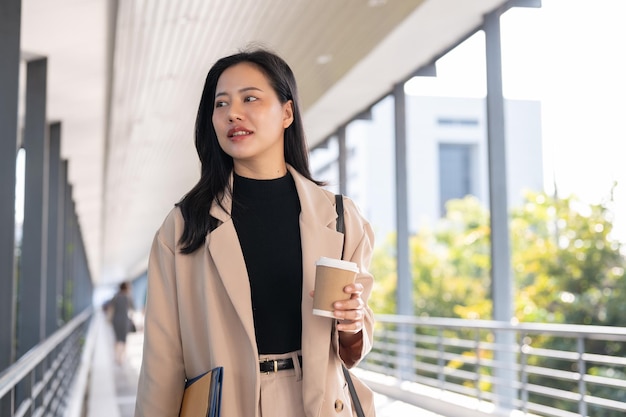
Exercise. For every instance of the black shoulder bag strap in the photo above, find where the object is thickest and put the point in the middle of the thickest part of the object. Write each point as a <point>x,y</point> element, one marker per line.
<point>341,227</point>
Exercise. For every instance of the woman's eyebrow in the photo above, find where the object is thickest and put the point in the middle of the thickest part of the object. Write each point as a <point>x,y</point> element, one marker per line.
<point>243,90</point>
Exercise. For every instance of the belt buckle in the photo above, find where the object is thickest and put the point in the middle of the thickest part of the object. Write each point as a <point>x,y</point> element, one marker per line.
<point>275,362</point>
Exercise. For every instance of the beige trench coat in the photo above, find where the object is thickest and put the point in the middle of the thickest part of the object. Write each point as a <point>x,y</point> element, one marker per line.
<point>199,314</point>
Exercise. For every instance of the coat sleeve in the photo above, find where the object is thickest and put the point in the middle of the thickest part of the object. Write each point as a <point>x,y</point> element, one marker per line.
<point>358,248</point>
<point>162,375</point>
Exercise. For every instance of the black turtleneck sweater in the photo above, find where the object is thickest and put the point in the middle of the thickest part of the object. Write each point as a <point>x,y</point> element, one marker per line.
<point>266,217</point>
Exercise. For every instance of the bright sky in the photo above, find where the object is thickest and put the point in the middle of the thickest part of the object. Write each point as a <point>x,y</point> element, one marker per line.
<point>569,55</point>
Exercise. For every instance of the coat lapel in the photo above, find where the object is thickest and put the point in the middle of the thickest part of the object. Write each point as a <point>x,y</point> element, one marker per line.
<point>225,250</point>
<point>319,238</point>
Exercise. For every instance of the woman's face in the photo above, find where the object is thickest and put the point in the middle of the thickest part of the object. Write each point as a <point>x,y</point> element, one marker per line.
<point>250,121</point>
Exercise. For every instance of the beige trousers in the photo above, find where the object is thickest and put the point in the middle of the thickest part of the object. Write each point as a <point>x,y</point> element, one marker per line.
<point>281,392</point>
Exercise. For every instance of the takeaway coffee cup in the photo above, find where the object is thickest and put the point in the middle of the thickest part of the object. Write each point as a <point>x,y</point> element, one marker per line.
<point>331,276</point>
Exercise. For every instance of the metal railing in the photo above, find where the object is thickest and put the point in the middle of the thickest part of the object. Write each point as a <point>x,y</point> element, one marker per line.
<point>39,383</point>
<point>554,370</point>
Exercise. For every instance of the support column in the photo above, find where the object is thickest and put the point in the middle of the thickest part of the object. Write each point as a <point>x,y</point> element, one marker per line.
<point>342,160</point>
<point>86,288</point>
<point>501,274</point>
<point>404,288</point>
<point>10,18</point>
<point>79,278</point>
<point>54,204</point>
<point>68,255</point>
<point>32,278</point>
<point>61,238</point>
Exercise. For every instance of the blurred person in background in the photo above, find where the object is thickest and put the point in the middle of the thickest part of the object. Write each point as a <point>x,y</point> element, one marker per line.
<point>119,309</point>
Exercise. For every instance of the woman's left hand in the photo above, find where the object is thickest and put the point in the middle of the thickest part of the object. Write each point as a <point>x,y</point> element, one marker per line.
<point>350,313</point>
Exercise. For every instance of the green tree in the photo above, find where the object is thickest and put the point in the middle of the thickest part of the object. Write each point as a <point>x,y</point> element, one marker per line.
<point>566,267</point>
<point>384,269</point>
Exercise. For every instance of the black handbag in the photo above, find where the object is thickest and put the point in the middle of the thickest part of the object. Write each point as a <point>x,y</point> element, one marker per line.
<point>341,228</point>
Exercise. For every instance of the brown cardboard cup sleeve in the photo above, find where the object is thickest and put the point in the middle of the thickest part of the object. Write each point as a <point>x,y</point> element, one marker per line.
<point>331,276</point>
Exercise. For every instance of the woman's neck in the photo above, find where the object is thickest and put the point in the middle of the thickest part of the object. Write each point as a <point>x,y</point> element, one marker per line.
<point>260,172</point>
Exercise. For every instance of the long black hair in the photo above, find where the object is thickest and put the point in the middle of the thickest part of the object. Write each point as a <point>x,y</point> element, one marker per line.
<point>216,164</point>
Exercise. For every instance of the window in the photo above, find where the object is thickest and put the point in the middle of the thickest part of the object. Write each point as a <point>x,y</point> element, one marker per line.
<point>455,173</point>
<point>445,121</point>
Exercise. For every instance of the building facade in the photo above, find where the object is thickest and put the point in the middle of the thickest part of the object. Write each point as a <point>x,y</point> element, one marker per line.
<point>447,157</point>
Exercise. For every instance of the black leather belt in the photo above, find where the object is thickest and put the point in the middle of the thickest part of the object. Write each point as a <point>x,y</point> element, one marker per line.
<point>269,365</point>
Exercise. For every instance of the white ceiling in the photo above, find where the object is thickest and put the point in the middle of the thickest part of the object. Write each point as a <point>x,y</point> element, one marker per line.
<point>125,79</point>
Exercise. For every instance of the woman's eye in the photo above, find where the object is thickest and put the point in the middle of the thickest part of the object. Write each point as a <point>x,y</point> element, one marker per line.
<point>220,104</point>
<point>250,98</point>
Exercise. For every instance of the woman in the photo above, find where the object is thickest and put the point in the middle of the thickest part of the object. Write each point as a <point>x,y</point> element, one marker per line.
<point>232,268</point>
<point>121,305</point>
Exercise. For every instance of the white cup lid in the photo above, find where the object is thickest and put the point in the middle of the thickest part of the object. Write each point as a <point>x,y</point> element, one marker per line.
<point>337,263</point>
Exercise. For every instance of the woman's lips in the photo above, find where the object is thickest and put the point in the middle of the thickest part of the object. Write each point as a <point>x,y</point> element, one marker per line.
<point>237,132</point>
